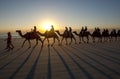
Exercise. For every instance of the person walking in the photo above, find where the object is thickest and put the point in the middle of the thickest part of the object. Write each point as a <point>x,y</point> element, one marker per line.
<point>9,42</point>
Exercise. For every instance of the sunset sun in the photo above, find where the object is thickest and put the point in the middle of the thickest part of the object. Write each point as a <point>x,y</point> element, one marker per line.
<point>47,26</point>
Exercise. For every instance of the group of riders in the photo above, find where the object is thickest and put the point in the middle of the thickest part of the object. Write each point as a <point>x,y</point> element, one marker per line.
<point>97,32</point>
<point>51,31</point>
<point>68,33</point>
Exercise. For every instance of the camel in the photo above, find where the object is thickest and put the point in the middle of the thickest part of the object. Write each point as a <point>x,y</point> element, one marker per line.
<point>82,35</point>
<point>66,35</point>
<point>49,34</point>
<point>96,34</point>
<point>113,34</point>
<point>118,34</point>
<point>30,36</point>
<point>105,34</point>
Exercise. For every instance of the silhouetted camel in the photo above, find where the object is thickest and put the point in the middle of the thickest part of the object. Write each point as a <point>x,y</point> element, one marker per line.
<point>118,34</point>
<point>66,35</point>
<point>30,36</point>
<point>105,34</point>
<point>82,35</point>
<point>48,35</point>
<point>113,34</point>
<point>96,34</point>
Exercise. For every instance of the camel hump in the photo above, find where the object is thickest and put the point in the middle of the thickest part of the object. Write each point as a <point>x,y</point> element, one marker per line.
<point>18,30</point>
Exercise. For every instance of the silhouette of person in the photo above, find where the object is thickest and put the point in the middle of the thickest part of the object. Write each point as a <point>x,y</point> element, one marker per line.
<point>95,29</point>
<point>66,28</point>
<point>52,29</point>
<point>34,32</point>
<point>66,31</point>
<point>70,31</point>
<point>35,29</point>
<point>82,30</point>
<point>85,28</point>
<point>9,41</point>
<point>98,29</point>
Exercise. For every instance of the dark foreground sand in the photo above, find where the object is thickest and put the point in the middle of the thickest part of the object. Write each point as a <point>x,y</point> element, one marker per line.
<point>76,61</point>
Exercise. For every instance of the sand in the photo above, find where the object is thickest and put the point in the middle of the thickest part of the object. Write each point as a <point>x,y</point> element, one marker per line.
<point>76,61</point>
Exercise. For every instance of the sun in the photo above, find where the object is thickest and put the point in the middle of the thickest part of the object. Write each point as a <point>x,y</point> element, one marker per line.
<point>47,26</point>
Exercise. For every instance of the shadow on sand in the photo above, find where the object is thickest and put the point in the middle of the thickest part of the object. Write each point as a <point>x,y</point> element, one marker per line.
<point>22,64</point>
<point>32,71</point>
<point>72,76</point>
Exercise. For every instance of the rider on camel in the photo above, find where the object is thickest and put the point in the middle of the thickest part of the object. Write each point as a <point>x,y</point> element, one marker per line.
<point>66,31</point>
<point>82,30</point>
<point>34,31</point>
<point>85,29</point>
<point>70,31</point>
<point>52,30</point>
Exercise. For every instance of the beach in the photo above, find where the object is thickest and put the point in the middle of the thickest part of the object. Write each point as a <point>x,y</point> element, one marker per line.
<point>75,61</point>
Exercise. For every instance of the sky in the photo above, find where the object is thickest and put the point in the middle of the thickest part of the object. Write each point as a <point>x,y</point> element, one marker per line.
<point>24,14</point>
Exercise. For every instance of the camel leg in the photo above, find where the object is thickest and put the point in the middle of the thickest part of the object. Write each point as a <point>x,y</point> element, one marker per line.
<point>93,39</point>
<point>111,38</point>
<point>79,39</point>
<point>53,41</point>
<point>29,43</point>
<point>115,38</point>
<point>105,39</point>
<point>74,40</point>
<point>41,41</point>
<point>36,42</point>
<point>58,41</point>
<point>70,41</point>
<point>87,39</point>
<point>24,42</point>
<point>62,40</point>
<point>83,39</point>
<point>66,41</point>
<point>100,39</point>
<point>48,42</point>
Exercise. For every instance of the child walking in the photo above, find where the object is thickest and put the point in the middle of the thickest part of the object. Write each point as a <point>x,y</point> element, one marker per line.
<point>9,41</point>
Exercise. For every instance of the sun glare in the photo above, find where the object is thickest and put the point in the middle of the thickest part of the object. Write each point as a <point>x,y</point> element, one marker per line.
<point>47,26</point>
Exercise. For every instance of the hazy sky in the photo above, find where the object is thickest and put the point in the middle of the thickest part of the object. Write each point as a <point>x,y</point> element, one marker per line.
<point>24,14</point>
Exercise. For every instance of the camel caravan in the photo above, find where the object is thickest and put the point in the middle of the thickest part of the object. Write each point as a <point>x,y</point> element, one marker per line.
<point>84,35</point>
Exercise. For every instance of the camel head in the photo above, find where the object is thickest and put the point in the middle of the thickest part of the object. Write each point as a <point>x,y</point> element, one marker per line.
<point>20,33</point>
<point>56,30</point>
<point>18,30</point>
<point>74,32</point>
